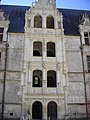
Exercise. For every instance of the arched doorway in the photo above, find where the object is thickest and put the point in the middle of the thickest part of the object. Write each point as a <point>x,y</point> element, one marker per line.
<point>37,110</point>
<point>52,110</point>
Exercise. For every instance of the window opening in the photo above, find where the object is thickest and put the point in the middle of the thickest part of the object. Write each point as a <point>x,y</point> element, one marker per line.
<point>51,78</point>
<point>11,114</point>
<point>50,22</point>
<point>0,56</point>
<point>59,25</point>
<point>37,78</point>
<point>87,38</point>
<point>88,63</point>
<point>1,34</point>
<point>37,49</point>
<point>38,21</point>
<point>52,110</point>
<point>37,110</point>
<point>51,49</point>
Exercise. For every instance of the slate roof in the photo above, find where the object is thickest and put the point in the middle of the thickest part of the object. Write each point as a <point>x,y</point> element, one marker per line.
<point>16,15</point>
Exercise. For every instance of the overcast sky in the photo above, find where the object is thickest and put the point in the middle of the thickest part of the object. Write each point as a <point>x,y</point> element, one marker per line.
<point>70,4</point>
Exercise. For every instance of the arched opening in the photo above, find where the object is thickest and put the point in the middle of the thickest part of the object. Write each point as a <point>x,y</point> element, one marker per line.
<point>51,78</point>
<point>52,110</point>
<point>37,78</point>
<point>50,49</point>
<point>38,21</point>
<point>37,48</point>
<point>50,22</point>
<point>37,110</point>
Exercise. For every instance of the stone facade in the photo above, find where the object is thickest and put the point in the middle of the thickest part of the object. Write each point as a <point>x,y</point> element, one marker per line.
<point>44,70</point>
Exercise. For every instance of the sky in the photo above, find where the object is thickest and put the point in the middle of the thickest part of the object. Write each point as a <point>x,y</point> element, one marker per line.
<point>69,4</point>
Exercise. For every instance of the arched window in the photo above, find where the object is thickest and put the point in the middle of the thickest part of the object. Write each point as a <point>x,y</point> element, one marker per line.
<point>38,21</point>
<point>37,48</point>
<point>37,78</point>
<point>37,110</point>
<point>52,110</point>
<point>51,78</point>
<point>50,49</point>
<point>50,22</point>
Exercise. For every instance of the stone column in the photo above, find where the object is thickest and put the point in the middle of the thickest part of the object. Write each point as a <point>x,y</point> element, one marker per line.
<point>58,50</point>
<point>58,79</point>
<point>82,37</point>
<point>4,34</point>
<point>58,111</point>
<point>44,80</point>
<point>44,22</point>
<point>30,81</point>
<point>30,50</point>
<point>44,51</point>
<point>45,111</point>
<point>30,110</point>
<point>44,77</point>
<point>32,21</point>
<point>56,23</point>
<point>30,76</point>
<point>44,67</point>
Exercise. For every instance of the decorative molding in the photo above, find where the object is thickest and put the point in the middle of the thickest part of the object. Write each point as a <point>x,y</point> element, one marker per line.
<point>44,4</point>
<point>85,21</point>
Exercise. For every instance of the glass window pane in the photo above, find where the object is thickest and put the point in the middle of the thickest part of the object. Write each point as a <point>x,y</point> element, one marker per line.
<point>86,41</point>
<point>1,30</point>
<point>86,34</point>
<point>88,58</point>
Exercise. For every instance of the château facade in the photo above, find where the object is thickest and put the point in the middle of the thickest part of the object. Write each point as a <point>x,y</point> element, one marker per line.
<point>44,61</point>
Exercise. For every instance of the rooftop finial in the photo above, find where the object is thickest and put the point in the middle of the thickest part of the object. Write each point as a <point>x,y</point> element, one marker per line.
<point>33,3</point>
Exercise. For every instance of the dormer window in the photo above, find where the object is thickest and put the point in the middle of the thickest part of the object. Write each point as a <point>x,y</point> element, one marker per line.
<point>1,34</point>
<point>87,38</point>
<point>50,22</point>
<point>38,21</point>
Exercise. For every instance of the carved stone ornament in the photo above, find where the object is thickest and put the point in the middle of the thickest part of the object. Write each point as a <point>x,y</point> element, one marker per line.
<point>47,4</point>
<point>85,20</point>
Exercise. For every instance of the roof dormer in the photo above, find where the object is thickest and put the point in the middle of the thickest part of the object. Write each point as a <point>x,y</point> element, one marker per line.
<point>84,29</point>
<point>43,15</point>
<point>4,24</point>
<point>85,23</point>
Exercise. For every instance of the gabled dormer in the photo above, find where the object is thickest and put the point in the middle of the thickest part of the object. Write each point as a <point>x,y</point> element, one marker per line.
<point>4,24</point>
<point>84,29</point>
<point>43,14</point>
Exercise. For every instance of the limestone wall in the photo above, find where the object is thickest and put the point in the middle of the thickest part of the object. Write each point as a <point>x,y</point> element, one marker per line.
<point>13,73</point>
